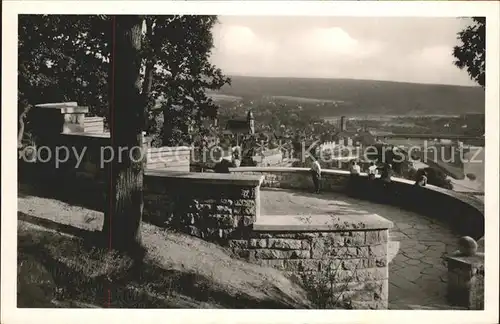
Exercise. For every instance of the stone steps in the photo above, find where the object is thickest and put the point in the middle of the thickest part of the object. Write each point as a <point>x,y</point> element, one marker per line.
<point>93,124</point>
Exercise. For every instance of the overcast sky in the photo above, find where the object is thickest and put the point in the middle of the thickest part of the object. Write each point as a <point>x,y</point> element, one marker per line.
<point>394,49</point>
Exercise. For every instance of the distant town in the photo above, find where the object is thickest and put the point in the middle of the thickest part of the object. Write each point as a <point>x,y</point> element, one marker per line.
<point>271,129</point>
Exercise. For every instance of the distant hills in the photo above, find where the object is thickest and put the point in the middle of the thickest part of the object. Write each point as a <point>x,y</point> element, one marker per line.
<point>333,97</point>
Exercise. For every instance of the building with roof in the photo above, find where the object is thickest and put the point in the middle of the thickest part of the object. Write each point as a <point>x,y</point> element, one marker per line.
<point>244,126</point>
<point>352,137</point>
<point>240,127</point>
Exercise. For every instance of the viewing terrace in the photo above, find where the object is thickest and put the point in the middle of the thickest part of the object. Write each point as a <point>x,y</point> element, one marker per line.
<point>418,241</point>
<point>389,243</point>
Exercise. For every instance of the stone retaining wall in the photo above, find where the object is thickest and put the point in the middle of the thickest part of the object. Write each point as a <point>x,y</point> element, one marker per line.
<point>207,205</point>
<point>341,260</point>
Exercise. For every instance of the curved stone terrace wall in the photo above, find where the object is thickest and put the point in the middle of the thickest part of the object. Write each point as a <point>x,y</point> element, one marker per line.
<point>464,213</point>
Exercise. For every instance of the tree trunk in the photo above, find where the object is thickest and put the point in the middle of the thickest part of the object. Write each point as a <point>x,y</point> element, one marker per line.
<point>146,90</point>
<point>122,223</point>
<point>148,73</point>
<point>148,79</point>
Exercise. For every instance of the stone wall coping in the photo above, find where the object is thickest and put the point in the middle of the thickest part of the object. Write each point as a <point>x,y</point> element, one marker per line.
<point>321,223</point>
<point>171,148</point>
<point>58,104</point>
<point>284,169</point>
<point>87,134</point>
<point>205,177</point>
<point>471,261</point>
<point>65,107</point>
<point>307,170</point>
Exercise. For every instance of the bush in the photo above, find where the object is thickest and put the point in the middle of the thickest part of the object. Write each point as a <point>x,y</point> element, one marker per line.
<point>438,178</point>
<point>323,289</point>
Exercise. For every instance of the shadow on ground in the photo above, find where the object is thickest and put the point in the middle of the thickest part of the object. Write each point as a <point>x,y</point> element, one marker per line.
<point>59,266</point>
<point>86,194</point>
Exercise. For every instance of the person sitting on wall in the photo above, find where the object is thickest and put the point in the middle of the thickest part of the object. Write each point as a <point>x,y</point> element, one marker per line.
<point>372,171</point>
<point>236,157</point>
<point>355,169</point>
<point>223,166</point>
<point>421,179</point>
<point>316,174</point>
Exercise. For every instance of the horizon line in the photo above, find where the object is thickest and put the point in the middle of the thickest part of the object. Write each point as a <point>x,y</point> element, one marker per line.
<point>353,79</point>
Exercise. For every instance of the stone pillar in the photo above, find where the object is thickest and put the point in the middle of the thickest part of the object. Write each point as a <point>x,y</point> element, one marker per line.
<point>466,281</point>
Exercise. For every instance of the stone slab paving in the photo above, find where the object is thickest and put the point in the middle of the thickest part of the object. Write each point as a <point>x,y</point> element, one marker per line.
<point>417,274</point>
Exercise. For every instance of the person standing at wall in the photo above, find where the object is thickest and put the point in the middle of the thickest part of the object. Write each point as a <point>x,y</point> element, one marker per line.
<point>386,174</point>
<point>355,171</point>
<point>386,180</point>
<point>316,175</point>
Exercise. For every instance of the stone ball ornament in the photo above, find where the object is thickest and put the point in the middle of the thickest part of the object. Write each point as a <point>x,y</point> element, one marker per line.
<point>467,246</point>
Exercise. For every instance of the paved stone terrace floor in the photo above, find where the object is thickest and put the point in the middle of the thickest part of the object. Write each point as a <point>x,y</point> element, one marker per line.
<point>417,275</point>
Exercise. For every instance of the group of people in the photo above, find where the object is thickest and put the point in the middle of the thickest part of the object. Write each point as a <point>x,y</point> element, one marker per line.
<point>373,171</point>
<point>223,165</point>
<point>385,170</point>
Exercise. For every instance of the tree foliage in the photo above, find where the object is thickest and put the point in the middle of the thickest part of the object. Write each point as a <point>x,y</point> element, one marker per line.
<point>60,58</point>
<point>471,53</point>
<point>436,177</point>
<point>180,46</point>
<point>66,58</point>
